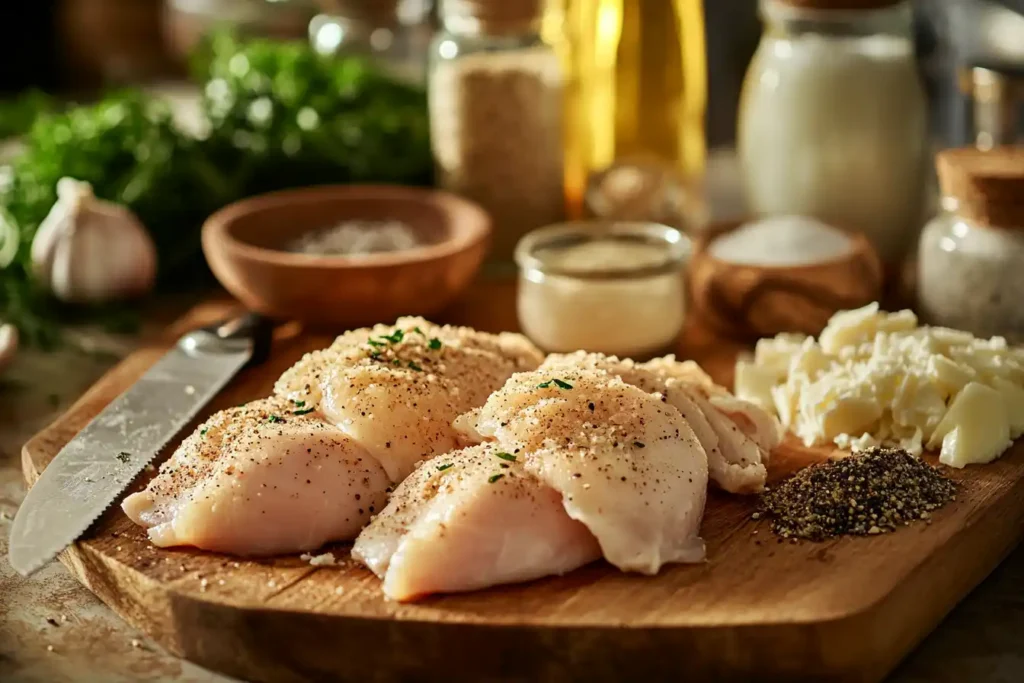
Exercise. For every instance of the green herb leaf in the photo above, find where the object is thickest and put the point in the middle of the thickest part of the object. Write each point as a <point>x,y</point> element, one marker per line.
<point>544,385</point>
<point>418,331</point>
<point>298,404</point>
<point>203,431</point>
<point>413,366</point>
<point>307,411</point>
<point>506,456</point>
<point>395,336</point>
<point>562,385</point>
<point>494,477</point>
<point>442,468</point>
<point>396,362</point>
<point>434,344</point>
<point>275,418</point>
<point>375,343</point>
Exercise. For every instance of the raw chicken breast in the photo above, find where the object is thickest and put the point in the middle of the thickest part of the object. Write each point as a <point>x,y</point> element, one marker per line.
<point>398,389</point>
<point>497,356</point>
<point>468,520</point>
<point>261,479</point>
<point>736,435</point>
<point>627,465</point>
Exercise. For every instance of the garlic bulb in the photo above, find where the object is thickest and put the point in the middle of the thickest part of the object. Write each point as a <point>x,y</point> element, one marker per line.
<point>90,250</point>
<point>8,344</point>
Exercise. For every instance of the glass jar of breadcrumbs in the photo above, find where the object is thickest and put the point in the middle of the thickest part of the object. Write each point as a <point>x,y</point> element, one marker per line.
<point>495,90</point>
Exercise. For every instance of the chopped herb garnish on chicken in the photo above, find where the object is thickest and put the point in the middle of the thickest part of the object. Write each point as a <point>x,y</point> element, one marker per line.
<point>506,456</point>
<point>442,468</point>
<point>562,385</point>
<point>275,418</point>
<point>299,404</point>
<point>202,432</point>
<point>306,411</point>
<point>374,342</point>
<point>434,344</point>
<point>413,366</point>
<point>494,477</point>
<point>418,331</point>
<point>394,337</point>
<point>544,385</point>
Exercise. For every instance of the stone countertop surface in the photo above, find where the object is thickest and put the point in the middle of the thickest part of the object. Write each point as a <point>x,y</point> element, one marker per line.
<point>53,629</point>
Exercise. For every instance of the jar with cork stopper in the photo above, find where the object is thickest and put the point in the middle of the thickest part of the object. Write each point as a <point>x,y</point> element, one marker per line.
<point>970,270</point>
<point>495,90</point>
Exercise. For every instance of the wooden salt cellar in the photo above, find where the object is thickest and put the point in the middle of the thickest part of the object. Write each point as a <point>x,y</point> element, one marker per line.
<point>747,301</point>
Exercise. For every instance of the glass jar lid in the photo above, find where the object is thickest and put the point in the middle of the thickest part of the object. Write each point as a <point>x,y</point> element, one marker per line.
<point>599,250</point>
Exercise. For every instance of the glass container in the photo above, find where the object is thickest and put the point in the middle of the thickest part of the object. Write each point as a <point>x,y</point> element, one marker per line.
<point>395,34</point>
<point>833,119</point>
<point>608,287</point>
<point>970,265</point>
<point>636,85</point>
<point>495,91</point>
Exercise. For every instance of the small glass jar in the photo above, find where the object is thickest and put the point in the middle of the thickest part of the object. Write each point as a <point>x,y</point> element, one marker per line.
<point>614,288</point>
<point>495,90</point>
<point>833,119</point>
<point>970,267</point>
<point>395,34</point>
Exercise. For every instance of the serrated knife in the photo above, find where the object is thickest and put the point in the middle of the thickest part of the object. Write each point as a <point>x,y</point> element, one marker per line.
<point>99,463</point>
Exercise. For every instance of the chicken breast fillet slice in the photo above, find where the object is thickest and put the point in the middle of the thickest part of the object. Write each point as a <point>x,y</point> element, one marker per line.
<point>261,479</point>
<point>468,520</point>
<point>736,435</point>
<point>498,355</point>
<point>627,465</point>
<point>396,390</point>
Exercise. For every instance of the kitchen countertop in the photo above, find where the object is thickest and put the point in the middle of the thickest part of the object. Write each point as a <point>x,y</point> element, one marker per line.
<point>53,629</point>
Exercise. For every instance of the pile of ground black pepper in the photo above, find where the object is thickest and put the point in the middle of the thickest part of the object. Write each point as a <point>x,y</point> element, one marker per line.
<point>868,493</point>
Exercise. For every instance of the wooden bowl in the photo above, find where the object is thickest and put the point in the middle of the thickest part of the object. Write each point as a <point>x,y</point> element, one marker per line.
<point>244,244</point>
<point>747,302</point>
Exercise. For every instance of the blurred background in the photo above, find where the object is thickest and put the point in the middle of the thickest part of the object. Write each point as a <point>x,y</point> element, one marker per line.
<point>81,45</point>
<point>305,92</point>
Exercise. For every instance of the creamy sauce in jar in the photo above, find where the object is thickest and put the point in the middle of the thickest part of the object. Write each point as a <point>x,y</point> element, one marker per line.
<point>610,288</point>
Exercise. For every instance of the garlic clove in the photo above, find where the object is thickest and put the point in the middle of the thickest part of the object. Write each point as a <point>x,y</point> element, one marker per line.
<point>90,250</point>
<point>8,344</point>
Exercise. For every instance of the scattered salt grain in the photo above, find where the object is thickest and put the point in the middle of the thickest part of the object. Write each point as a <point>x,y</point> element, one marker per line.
<point>781,241</point>
<point>271,584</point>
<point>339,590</point>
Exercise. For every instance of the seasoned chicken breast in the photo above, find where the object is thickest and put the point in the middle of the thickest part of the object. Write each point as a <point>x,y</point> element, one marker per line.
<point>398,390</point>
<point>311,464</point>
<point>627,464</point>
<point>261,479</point>
<point>471,519</point>
<point>737,436</point>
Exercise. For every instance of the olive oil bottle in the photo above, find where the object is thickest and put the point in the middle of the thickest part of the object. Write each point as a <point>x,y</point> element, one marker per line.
<point>636,84</point>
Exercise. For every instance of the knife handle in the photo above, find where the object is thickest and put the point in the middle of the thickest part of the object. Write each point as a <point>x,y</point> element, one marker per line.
<point>247,330</point>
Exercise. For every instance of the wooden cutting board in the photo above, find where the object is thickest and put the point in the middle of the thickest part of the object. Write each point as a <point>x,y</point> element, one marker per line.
<point>846,609</point>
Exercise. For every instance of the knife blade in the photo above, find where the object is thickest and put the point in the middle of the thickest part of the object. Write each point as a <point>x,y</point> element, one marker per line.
<point>100,462</point>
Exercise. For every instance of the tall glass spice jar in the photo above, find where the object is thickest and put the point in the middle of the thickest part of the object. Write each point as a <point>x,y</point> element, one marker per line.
<point>970,267</point>
<point>495,90</point>
<point>833,119</point>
